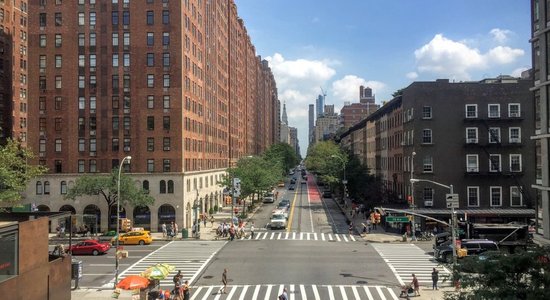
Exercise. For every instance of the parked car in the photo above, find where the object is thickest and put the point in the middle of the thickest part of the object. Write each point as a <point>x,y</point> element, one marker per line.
<point>92,247</point>
<point>327,194</point>
<point>269,198</point>
<point>278,220</point>
<point>134,238</point>
<point>291,187</point>
<point>284,203</point>
<point>281,184</point>
<point>473,247</point>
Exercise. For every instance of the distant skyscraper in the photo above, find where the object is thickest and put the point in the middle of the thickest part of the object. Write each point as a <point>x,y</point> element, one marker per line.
<point>311,123</point>
<point>284,117</point>
<point>320,105</point>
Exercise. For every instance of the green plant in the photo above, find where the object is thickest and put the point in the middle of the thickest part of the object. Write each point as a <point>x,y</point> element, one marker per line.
<point>216,208</point>
<point>211,211</point>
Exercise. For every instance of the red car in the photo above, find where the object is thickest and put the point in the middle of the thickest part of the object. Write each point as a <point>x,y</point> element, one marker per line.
<point>89,247</point>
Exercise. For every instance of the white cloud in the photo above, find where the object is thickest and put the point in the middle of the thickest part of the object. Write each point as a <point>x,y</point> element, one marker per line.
<point>347,89</point>
<point>412,75</point>
<point>500,35</point>
<point>456,60</point>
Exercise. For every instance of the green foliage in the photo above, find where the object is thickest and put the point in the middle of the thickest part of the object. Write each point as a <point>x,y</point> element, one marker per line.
<point>326,159</point>
<point>397,93</point>
<point>15,172</point>
<point>283,154</point>
<point>521,275</point>
<point>106,186</point>
<point>257,174</point>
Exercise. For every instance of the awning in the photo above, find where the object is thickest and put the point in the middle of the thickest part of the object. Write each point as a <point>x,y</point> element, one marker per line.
<point>517,212</point>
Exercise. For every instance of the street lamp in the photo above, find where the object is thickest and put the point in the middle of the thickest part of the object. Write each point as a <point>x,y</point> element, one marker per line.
<point>118,216</point>
<point>344,181</point>
<point>453,216</point>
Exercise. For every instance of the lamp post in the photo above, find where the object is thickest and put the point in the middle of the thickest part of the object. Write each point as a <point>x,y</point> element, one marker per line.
<point>118,216</point>
<point>453,215</point>
<point>412,197</point>
<point>196,206</point>
<point>344,181</point>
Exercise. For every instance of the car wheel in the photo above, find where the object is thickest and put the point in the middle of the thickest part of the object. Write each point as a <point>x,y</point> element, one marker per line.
<point>142,242</point>
<point>95,252</point>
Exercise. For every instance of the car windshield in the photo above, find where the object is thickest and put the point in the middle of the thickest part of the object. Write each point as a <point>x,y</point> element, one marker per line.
<point>278,217</point>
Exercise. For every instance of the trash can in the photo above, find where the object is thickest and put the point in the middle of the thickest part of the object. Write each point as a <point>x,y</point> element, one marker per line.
<point>184,233</point>
<point>76,271</point>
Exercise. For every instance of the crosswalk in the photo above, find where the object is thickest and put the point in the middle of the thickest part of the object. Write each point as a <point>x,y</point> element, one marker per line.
<point>295,292</point>
<point>303,236</point>
<point>406,259</point>
<point>190,257</point>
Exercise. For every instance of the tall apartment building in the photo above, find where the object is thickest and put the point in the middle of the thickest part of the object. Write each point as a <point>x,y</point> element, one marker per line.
<point>471,135</point>
<point>170,83</point>
<point>311,123</point>
<point>326,124</point>
<point>320,102</point>
<point>541,76</point>
<point>352,113</point>
<point>13,71</point>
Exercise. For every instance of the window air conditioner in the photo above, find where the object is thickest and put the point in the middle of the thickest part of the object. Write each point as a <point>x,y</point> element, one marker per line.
<point>127,149</point>
<point>514,114</point>
<point>472,170</point>
<point>428,203</point>
<point>472,141</point>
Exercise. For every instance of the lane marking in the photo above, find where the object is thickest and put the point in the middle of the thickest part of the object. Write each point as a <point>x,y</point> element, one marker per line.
<point>268,292</point>
<point>291,216</point>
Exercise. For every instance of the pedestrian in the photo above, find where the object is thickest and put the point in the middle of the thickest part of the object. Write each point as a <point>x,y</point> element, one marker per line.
<point>232,232</point>
<point>171,230</point>
<point>186,291</point>
<point>177,283</point>
<point>194,229</point>
<point>224,281</point>
<point>284,295</point>
<point>415,285</point>
<point>204,219</point>
<point>175,229</point>
<point>211,221</point>
<point>164,232</point>
<point>435,278</point>
<point>252,231</point>
<point>350,227</point>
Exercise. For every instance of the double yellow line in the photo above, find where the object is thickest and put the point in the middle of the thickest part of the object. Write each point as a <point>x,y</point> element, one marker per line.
<point>291,215</point>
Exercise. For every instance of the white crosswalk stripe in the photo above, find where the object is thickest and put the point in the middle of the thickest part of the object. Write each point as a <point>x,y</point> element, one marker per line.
<point>303,236</point>
<point>406,259</point>
<point>188,256</point>
<point>295,292</point>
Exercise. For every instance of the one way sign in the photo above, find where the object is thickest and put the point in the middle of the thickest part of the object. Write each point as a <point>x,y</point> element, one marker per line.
<point>452,200</point>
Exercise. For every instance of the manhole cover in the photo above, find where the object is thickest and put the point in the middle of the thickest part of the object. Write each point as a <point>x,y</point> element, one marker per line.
<point>208,277</point>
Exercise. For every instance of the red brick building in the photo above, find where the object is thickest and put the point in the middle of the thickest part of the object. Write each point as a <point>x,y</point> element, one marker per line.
<point>173,84</point>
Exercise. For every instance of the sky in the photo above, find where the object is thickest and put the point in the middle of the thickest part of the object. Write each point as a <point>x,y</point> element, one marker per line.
<point>339,45</point>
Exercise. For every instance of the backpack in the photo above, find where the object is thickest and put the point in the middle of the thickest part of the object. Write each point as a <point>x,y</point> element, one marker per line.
<point>176,279</point>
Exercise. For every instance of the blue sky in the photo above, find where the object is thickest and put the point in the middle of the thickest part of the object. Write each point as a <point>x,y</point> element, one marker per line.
<point>386,45</point>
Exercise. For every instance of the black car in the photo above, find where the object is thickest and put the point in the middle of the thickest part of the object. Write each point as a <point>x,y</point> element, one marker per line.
<point>293,181</point>
<point>473,247</point>
<point>327,194</point>
<point>291,187</point>
<point>285,202</point>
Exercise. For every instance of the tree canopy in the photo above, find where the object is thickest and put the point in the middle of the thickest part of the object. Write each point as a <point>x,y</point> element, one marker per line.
<point>326,160</point>
<point>106,186</point>
<point>15,171</point>
<point>283,154</point>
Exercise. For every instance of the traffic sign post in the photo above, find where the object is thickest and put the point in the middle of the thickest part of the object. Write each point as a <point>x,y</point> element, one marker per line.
<point>403,219</point>
<point>452,200</point>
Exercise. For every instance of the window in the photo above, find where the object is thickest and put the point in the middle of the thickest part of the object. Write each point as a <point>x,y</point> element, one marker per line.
<point>150,123</point>
<point>42,40</point>
<point>165,38</point>
<point>58,82</point>
<point>166,144</point>
<point>81,81</point>
<point>166,123</point>
<point>166,59</point>
<point>471,110</point>
<point>166,165</point>
<point>494,135</point>
<point>150,38</point>
<point>150,17</point>
<point>516,198</point>
<point>145,185</point>
<point>471,135</point>
<point>58,102</point>
<point>115,60</point>
<point>426,136</point>
<point>114,17</point>
<point>150,80</point>
<point>39,188</point>
<point>515,163</point>
<point>81,20</point>
<point>472,163</point>
<point>114,39</point>
<point>46,187</point>
<point>514,135</point>
<point>494,163</point>
<point>162,187</point>
<point>150,101</point>
<point>81,145</point>
<point>514,110</point>
<point>93,166</point>
<point>496,195</point>
<point>125,17</point>
<point>93,101</point>
<point>58,166</point>
<point>81,103</point>
<point>57,145</point>
<point>428,194</point>
<point>81,60</point>
<point>428,164</point>
<point>92,18</point>
<point>58,40</point>
<point>81,40</point>
<point>93,61</point>
<point>92,39</point>
<point>80,166</point>
<point>93,145</point>
<point>150,59</point>
<point>115,144</point>
<point>170,186</point>
<point>473,195</point>
<point>126,59</point>
<point>494,110</point>
<point>126,39</point>
<point>166,102</point>
<point>63,187</point>
<point>150,165</point>
<point>426,112</point>
<point>165,17</point>
<point>166,80</point>
<point>58,19</point>
<point>150,144</point>
<point>42,19</point>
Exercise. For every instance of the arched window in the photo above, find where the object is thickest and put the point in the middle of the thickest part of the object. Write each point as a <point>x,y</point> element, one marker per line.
<point>63,187</point>
<point>39,189</point>
<point>170,186</point>
<point>146,186</point>
<point>163,187</point>
<point>46,187</point>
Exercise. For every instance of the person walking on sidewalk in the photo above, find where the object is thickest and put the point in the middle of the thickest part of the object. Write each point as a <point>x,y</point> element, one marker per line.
<point>164,230</point>
<point>252,231</point>
<point>186,290</point>
<point>435,278</point>
<point>211,221</point>
<point>224,282</point>
<point>415,285</point>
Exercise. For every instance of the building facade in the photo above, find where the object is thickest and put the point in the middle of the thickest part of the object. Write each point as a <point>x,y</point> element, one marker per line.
<point>14,36</point>
<point>311,123</point>
<point>352,113</point>
<point>541,135</point>
<point>170,83</point>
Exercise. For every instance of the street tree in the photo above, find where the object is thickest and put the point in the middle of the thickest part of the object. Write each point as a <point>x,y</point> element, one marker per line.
<point>106,186</point>
<point>16,171</point>
<point>284,154</point>
<point>326,160</point>
<point>257,174</point>
<point>519,275</point>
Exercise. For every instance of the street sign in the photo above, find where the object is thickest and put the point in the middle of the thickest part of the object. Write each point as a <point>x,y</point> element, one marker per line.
<point>452,200</point>
<point>398,219</point>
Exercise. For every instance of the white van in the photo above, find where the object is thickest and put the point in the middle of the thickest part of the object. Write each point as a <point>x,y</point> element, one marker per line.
<point>269,198</point>
<point>278,220</point>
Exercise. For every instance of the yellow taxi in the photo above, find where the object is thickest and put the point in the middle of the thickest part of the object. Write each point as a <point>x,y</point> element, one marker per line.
<point>141,237</point>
